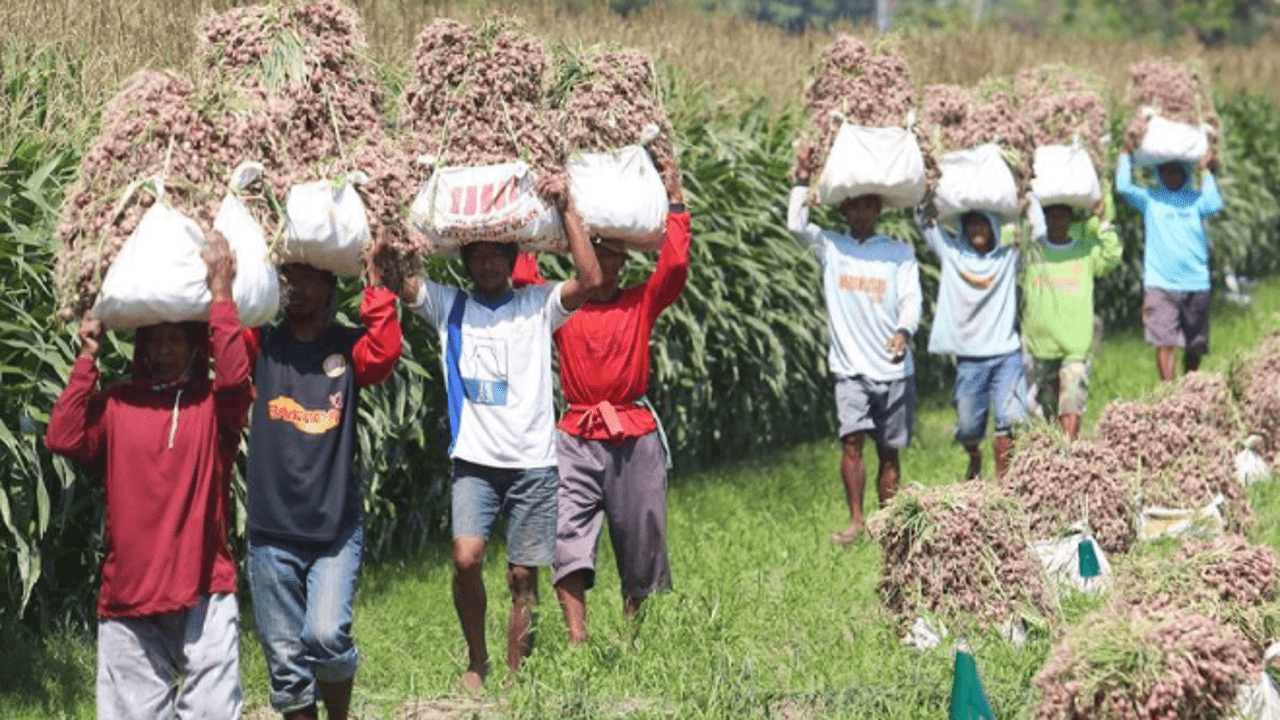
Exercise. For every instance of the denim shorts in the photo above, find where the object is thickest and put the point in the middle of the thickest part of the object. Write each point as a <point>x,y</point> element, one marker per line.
<point>303,596</point>
<point>984,383</point>
<point>524,497</point>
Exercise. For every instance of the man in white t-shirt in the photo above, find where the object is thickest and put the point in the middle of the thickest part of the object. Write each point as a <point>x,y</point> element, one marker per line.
<point>872,287</point>
<point>496,345</point>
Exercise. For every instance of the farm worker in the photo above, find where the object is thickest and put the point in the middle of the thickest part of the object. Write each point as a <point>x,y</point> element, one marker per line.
<point>496,353</point>
<point>1057,313</point>
<point>1175,277</point>
<point>611,455</point>
<point>169,626</point>
<point>872,286</point>
<point>976,321</point>
<point>306,520</point>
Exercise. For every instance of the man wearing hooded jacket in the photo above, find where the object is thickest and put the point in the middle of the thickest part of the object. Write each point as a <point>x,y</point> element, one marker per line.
<point>1175,280</point>
<point>168,629</point>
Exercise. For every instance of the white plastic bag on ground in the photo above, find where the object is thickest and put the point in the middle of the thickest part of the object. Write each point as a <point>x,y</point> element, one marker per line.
<point>925,634</point>
<point>1169,141</point>
<point>495,203</point>
<point>1179,523</point>
<point>620,196</point>
<point>1075,561</point>
<point>328,226</point>
<point>884,161</point>
<point>1065,175</point>
<point>976,179</point>
<point>257,285</point>
<point>1260,700</point>
<point>159,274</point>
<point>1250,466</point>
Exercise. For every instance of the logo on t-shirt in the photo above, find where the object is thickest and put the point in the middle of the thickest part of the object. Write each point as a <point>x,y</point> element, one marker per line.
<point>873,286</point>
<point>335,365</point>
<point>311,422</point>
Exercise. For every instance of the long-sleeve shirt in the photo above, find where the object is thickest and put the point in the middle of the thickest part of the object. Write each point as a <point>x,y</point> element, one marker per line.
<point>301,471</point>
<point>977,307</point>
<point>1058,281</point>
<point>166,453</point>
<point>1176,252</point>
<point>604,347</point>
<point>872,289</point>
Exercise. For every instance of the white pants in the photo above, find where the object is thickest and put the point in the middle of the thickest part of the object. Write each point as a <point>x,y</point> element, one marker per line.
<point>181,665</point>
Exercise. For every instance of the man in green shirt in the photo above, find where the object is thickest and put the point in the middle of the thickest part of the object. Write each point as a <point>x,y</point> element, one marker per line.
<point>1057,316</point>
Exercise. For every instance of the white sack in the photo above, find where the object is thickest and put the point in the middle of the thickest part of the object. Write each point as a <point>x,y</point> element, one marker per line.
<point>1169,141</point>
<point>1180,523</point>
<point>159,274</point>
<point>1065,175</point>
<point>494,203</point>
<point>976,179</point>
<point>257,285</point>
<point>884,161</point>
<point>620,196</point>
<point>925,634</point>
<point>1061,560</point>
<point>328,226</point>
<point>1250,466</point>
<point>1260,700</point>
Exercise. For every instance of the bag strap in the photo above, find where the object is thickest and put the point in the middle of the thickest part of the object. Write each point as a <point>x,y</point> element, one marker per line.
<point>452,355</point>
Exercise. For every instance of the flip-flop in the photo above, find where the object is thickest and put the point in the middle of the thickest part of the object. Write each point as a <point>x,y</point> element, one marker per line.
<point>844,538</point>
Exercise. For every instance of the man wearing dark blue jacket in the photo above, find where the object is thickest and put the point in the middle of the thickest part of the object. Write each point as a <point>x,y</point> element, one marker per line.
<point>1175,282</point>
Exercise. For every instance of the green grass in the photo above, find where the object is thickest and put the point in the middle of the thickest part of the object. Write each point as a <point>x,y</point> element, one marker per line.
<point>767,618</point>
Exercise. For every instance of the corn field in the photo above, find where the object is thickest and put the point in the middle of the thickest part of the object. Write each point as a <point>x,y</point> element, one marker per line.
<point>739,362</point>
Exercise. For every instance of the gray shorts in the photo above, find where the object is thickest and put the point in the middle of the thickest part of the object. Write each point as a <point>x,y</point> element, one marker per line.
<point>183,664</point>
<point>885,410</point>
<point>626,483</point>
<point>1176,319</point>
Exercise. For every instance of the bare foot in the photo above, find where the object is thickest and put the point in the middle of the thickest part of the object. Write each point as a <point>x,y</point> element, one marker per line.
<point>472,682</point>
<point>848,535</point>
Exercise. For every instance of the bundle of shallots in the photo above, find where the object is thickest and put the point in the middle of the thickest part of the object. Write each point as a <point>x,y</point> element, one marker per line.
<point>954,118</point>
<point>1260,394</point>
<point>1174,118</point>
<point>152,128</point>
<point>959,553</point>
<point>868,86</point>
<point>1062,104</point>
<point>1144,664</point>
<point>1063,483</point>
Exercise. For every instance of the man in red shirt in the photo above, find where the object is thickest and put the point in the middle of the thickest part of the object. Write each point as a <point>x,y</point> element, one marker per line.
<point>612,459</point>
<point>168,629</point>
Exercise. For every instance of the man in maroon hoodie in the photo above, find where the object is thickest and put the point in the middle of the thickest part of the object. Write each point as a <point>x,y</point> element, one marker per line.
<point>168,630</point>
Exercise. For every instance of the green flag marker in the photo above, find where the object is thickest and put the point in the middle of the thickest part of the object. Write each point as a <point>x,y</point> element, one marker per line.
<point>1088,559</point>
<point>968,699</point>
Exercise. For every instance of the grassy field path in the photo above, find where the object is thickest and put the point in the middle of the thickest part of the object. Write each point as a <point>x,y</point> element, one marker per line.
<point>767,618</point>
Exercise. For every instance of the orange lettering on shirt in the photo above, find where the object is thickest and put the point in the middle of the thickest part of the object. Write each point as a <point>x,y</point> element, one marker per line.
<point>873,286</point>
<point>311,422</point>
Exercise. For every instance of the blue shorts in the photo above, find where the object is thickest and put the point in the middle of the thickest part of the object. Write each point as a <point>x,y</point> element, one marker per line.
<point>303,597</point>
<point>526,499</point>
<point>998,382</point>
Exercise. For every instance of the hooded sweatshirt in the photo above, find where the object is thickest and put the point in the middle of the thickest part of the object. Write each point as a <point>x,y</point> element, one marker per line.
<point>1176,256</point>
<point>977,309</point>
<point>166,452</point>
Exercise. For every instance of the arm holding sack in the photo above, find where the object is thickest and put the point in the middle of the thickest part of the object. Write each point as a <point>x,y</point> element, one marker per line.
<point>375,354</point>
<point>588,276</point>
<point>232,386</point>
<point>1125,187</point>
<point>672,271</point>
<point>1210,201</point>
<point>1107,251</point>
<point>807,234</point>
<point>934,235</point>
<point>76,426</point>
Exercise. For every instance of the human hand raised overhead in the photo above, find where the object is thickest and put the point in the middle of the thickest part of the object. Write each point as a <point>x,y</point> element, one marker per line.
<point>221,265</point>
<point>671,180</point>
<point>554,189</point>
<point>90,334</point>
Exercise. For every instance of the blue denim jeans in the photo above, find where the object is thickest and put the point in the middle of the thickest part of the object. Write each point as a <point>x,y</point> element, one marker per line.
<point>983,383</point>
<point>302,604</point>
<point>526,499</point>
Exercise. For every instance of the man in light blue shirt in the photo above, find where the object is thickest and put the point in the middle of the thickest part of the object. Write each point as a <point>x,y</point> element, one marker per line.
<point>872,287</point>
<point>1175,294</point>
